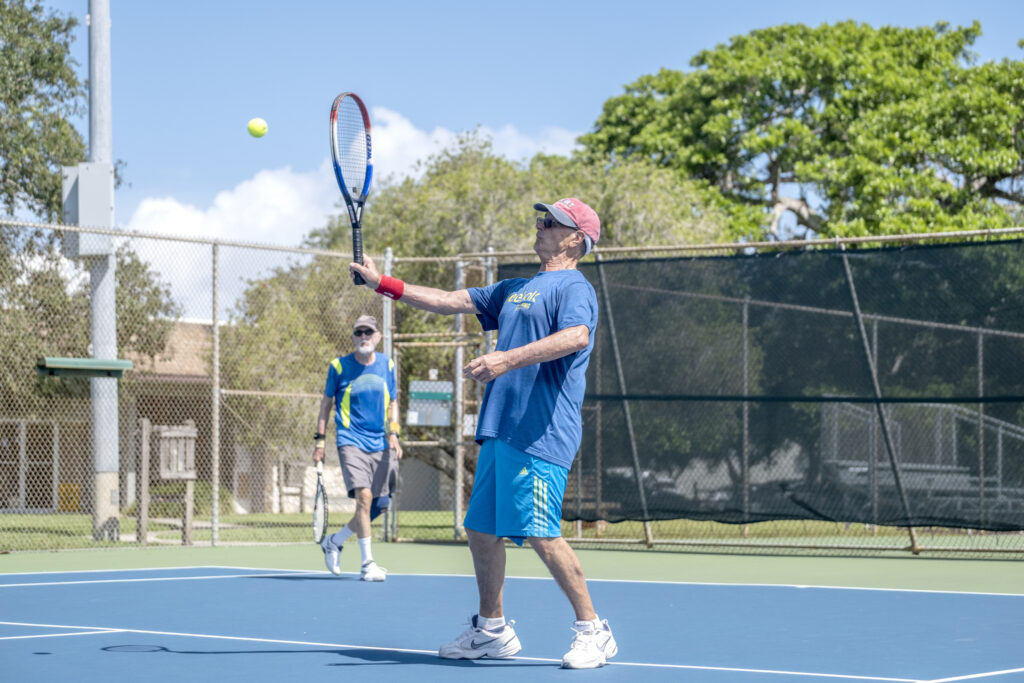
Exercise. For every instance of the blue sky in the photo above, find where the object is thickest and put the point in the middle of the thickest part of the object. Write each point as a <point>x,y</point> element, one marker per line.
<point>188,75</point>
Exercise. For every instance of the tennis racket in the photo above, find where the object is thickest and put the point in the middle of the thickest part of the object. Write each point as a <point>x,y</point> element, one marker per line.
<point>320,506</point>
<point>352,155</point>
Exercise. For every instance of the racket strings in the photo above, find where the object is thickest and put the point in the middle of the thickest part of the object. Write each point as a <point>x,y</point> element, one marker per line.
<point>320,514</point>
<point>350,137</point>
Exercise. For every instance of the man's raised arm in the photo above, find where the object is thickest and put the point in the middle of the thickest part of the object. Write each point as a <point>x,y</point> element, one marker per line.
<point>417,296</point>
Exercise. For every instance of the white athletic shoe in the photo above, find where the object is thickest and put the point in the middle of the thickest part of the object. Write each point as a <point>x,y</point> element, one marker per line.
<point>332,556</point>
<point>590,648</point>
<point>371,571</point>
<point>474,643</point>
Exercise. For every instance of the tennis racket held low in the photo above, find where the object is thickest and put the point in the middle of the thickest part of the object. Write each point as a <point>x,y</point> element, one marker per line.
<point>319,505</point>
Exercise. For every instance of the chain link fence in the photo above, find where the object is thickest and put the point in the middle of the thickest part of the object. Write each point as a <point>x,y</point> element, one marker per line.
<point>230,344</point>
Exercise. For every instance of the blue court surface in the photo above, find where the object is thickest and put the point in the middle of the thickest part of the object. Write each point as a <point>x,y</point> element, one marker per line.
<point>240,624</point>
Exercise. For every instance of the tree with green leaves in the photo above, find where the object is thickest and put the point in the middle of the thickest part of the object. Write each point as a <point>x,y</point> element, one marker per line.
<point>846,128</point>
<point>39,93</point>
<point>44,307</point>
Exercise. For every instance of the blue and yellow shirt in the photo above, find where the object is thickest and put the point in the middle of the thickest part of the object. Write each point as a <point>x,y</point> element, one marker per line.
<point>362,397</point>
<point>536,409</point>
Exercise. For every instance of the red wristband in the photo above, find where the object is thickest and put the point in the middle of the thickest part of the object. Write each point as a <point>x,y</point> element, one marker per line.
<point>391,287</point>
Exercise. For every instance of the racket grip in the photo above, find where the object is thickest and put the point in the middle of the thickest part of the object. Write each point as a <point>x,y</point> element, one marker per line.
<point>319,466</point>
<point>357,252</point>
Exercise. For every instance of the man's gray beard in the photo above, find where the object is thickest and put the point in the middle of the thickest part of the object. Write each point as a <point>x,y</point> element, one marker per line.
<point>367,353</point>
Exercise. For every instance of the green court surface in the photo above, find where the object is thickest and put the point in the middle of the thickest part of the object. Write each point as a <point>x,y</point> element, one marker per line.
<point>993,576</point>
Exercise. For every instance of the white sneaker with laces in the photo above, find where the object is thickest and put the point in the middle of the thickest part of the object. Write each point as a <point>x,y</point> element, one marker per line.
<point>474,643</point>
<point>332,556</point>
<point>590,648</point>
<point>371,571</point>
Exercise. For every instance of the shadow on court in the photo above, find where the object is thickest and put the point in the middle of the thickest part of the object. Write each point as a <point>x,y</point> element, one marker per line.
<point>367,656</point>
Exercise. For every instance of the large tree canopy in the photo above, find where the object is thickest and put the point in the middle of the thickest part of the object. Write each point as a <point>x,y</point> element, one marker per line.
<point>39,92</point>
<point>847,128</point>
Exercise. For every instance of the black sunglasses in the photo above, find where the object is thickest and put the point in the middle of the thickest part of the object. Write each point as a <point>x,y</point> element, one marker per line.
<point>363,332</point>
<point>543,222</point>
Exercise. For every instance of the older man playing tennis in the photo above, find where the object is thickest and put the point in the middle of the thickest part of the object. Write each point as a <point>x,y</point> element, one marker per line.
<point>529,427</point>
<point>359,388</point>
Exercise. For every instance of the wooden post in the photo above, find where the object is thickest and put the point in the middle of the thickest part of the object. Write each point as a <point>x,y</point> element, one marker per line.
<point>142,486</point>
<point>188,505</point>
<point>186,517</point>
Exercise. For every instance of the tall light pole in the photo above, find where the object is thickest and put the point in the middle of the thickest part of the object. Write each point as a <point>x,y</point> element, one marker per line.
<point>102,270</point>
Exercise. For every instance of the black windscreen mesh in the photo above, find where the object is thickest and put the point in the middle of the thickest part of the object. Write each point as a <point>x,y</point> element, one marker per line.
<point>743,389</point>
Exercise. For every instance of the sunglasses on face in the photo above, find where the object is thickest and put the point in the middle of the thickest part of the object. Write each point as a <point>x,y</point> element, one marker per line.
<point>363,332</point>
<point>543,222</point>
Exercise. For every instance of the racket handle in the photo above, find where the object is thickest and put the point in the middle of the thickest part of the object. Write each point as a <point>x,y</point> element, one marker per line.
<point>319,467</point>
<point>357,252</point>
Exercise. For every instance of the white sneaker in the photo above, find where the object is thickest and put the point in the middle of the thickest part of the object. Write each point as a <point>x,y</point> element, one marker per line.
<point>332,556</point>
<point>371,571</point>
<point>590,648</point>
<point>474,643</point>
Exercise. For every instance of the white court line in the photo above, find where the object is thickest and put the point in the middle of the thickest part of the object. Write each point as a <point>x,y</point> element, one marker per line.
<point>270,572</point>
<point>27,623</point>
<point>151,579</point>
<point>987,674</point>
<point>678,583</point>
<point>59,635</point>
<point>133,569</point>
<point>434,653</point>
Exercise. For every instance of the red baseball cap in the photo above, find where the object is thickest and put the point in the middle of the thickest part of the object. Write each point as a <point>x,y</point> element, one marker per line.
<point>574,213</point>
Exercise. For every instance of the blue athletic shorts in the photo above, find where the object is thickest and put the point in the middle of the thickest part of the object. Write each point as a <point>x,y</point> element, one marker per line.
<point>515,495</point>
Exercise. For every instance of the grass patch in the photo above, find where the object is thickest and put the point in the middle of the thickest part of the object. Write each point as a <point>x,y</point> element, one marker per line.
<point>22,532</point>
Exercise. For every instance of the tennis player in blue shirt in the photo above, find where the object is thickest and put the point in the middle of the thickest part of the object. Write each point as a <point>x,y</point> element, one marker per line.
<point>529,427</point>
<point>361,388</point>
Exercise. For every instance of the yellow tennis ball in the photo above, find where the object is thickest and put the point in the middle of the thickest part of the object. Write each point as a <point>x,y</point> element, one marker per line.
<point>257,128</point>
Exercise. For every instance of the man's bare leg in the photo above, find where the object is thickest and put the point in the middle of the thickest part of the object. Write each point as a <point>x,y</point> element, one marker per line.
<point>565,567</point>
<point>496,640</point>
<point>489,565</point>
<point>360,522</point>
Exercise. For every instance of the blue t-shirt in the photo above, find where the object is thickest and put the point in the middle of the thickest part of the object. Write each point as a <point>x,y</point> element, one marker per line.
<point>537,408</point>
<point>362,395</point>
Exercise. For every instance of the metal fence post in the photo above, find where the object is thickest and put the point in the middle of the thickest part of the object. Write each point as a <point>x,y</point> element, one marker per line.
<point>391,511</point>
<point>460,450</point>
<point>981,429</point>
<point>215,412</point>
<point>746,417</point>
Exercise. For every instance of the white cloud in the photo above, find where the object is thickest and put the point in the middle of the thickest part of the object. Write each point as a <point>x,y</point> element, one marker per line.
<point>276,206</point>
<point>281,206</point>
<point>398,144</point>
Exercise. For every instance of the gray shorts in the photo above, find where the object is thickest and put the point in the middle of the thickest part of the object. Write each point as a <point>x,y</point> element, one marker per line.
<point>377,471</point>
